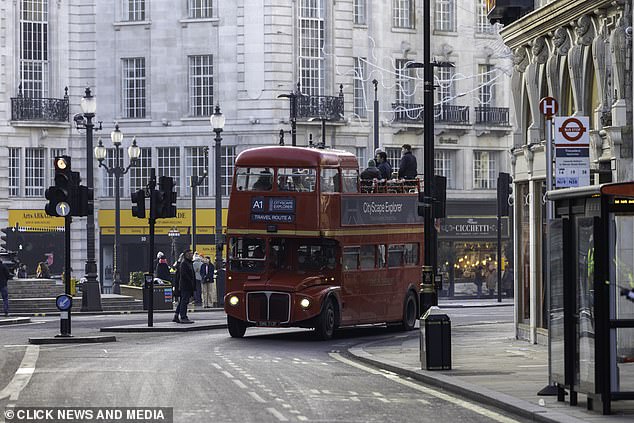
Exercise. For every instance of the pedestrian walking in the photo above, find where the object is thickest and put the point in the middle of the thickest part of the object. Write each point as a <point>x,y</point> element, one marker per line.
<point>5,275</point>
<point>186,285</point>
<point>23,272</point>
<point>162,270</point>
<point>198,262</point>
<point>492,279</point>
<point>207,274</point>
<point>479,279</point>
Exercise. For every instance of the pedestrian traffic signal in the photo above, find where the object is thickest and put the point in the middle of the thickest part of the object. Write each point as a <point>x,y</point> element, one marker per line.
<point>138,201</point>
<point>504,192</point>
<point>168,197</point>
<point>60,195</point>
<point>440,196</point>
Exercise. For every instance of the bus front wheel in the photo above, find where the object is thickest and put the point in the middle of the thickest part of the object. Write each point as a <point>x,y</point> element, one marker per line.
<point>409,312</point>
<point>325,326</point>
<point>236,327</point>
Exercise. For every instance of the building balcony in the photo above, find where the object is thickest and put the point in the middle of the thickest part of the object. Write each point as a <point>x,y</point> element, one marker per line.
<point>508,11</point>
<point>32,109</point>
<point>414,113</point>
<point>324,107</point>
<point>492,116</point>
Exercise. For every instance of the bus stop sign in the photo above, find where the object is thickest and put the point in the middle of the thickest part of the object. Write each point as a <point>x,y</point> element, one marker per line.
<point>548,106</point>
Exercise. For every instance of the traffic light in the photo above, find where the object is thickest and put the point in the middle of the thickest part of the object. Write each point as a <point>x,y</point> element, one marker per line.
<point>156,204</point>
<point>4,239</point>
<point>60,195</point>
<point>168,197</point>
<point>504,191</point>
<point>138,201</point>
<point>440,196</point>
<point>84,205</point>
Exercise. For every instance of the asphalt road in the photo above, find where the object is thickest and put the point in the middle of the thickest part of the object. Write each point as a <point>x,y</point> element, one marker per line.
<point>269,376</point>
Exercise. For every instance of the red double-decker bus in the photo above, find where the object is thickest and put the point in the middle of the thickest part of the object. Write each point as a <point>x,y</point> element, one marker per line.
<point>311,246</point>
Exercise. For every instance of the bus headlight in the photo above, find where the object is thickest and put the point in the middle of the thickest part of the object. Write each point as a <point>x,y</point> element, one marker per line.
<point>305,303</point>
<point>234,300</point>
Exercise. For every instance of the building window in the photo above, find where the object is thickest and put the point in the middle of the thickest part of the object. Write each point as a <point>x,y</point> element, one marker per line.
<point>444,165</point>
<point>362,157</point>
<point>404,83</point>
<point>134,10</point>
<point>484,170</point>
<point>200,9</point>
<point>360,108</point>
<point>134,87</point>
<point>483,25</point>
<point>360,12</point>
<point>446,89</point>
<point>54,152</point>
<point>228,162</point>
<point>486,94</point>
<point>446,15</point>
<point>393,157</point>
<point>34,65</point>
<point>169,164</point>
<point>14,171</point>
<point>34,172</point>
<point>403,13</point>
<point>140,174</point>
<point>311,43</point>
<point>196,165</point>
<point>201,85</point>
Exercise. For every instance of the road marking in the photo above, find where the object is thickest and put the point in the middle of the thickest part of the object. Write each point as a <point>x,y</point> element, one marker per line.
<point>377,394</point>
<point>22,375</point>
<point>396,378</point>
<point>353,393</point>
<point>226,373</point>
<point>256,397</point>
<point>383,399</point>
<point>533,365</point>
<point>217,366</point>
<point>277,414</point>
<point>302,418</point>
<point>239,383</point>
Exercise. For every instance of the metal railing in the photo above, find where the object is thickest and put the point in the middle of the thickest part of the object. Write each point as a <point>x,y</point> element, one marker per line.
<point>325,107</point>
<point>412,112</point>
<point>492,115</point>
<point>39,109</point>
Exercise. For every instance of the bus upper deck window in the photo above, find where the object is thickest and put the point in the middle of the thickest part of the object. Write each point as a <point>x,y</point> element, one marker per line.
<point>350,180</point>
<point>254,179</point>
<point>296,179</point>
<point>330,180</point>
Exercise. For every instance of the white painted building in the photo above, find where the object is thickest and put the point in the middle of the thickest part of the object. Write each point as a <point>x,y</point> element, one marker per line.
<point>158,68</point>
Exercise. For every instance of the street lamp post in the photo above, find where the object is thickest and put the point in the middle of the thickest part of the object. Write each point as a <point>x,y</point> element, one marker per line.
<point>91,293</point>
<point>195,182</point>
<point>218,123</point>
<point>117,170</point>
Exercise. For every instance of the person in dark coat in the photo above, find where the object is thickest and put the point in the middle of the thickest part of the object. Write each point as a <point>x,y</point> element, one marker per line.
<point>5,275</point>
<point>384,166</point>
<point>371,172</point>
<point>187,285</point>
<point>162,268</point>
<point>407,168</point>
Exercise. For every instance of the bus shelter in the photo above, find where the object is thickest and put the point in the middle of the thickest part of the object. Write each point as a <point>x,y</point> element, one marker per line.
<point>591,254</point>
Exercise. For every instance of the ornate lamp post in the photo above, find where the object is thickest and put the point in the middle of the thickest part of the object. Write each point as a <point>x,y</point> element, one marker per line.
<point>218,123</point>
<point>117,170</point>
<point>91,293</point>
<point>173,234</point>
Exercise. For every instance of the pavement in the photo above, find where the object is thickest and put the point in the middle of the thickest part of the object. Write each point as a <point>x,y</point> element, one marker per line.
<point>489,366</point>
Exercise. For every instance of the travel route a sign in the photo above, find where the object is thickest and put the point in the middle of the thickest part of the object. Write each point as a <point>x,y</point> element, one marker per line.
<point>572,151</point>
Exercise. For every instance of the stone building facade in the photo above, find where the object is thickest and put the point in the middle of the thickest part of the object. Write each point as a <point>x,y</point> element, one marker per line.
<point>158,68</point>
<point>580,53</point>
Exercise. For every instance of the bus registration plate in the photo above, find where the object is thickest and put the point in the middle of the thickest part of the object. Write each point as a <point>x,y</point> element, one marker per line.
<point>268,323</point>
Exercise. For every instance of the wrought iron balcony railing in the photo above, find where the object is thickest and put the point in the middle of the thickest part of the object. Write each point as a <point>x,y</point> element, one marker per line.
<point>496,116</point>
<point>410,112</point>
<point>39,109</point>
<point>321,106</point>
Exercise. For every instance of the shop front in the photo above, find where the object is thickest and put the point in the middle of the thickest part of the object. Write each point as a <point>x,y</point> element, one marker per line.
<point>467,256</point>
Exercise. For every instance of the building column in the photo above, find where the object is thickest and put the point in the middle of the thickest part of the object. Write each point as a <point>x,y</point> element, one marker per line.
<point>534,188</point>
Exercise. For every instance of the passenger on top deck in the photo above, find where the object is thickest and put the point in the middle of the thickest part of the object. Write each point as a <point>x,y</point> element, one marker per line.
<point>384,166</point>
<point>371,172</point>
<point>264,182</point>
<point>407,165</point>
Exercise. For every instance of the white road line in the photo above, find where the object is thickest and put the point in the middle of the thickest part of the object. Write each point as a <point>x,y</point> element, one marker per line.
<point>277,414</point>
<point>217,366</point>
<point>239,383</point>
<point>445,397</point>
<point>383,399</point>
<point>352,393</point>
<point>226,373</point>
<point>302,418</point>
<point>22,375</point>
<point>315,391</point>
<point>377,394</point>
<point>256,397</point>
<point>326,391</point>
<point>286,405</point>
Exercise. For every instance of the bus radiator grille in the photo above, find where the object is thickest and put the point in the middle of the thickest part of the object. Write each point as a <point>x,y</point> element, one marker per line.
<point>271,307</point>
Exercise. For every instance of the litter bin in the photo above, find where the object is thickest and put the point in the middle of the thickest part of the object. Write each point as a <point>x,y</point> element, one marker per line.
<point>162,297</point>
<point>435,340</point>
